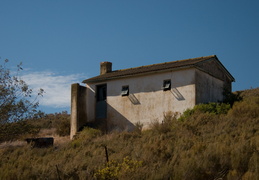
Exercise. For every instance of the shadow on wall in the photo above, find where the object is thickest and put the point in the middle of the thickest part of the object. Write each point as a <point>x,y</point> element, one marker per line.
<point>177,94</point>
<point>133,99</point>
<point>117,122</point>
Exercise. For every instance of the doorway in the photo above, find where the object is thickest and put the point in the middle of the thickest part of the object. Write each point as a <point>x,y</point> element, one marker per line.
<point>101,104</point>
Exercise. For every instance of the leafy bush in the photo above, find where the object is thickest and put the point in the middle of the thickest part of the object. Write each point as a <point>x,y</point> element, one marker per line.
<point>85,136</point>
<point>114,170</point>
<point>211,108</point>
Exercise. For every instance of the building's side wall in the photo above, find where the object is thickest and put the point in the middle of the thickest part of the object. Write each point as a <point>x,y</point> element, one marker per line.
<point>91,102</point>
<point>147,101</point>
<point>213,68</point>
<point>78,108</point>
<point>208,88</point>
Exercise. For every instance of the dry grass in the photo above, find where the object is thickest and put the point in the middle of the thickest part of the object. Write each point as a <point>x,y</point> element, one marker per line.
<point>47,132</point>
<point>58,140</point>
<point>12,144</point>
<point>201,146</point>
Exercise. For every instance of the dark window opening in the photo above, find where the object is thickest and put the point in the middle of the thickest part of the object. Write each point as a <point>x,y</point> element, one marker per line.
<point>125,91</point>
<point>167,85</point>
<point>101,93</point>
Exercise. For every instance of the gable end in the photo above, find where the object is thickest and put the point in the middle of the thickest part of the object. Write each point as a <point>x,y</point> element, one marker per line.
<point>216,69</point>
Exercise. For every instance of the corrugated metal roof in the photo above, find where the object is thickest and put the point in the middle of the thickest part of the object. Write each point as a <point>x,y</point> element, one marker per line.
<point>152,69</point>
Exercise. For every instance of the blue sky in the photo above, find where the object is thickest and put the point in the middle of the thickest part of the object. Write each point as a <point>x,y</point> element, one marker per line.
<point>62,41</point>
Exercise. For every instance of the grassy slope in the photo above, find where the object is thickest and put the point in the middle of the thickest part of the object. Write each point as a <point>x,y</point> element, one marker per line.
<point>202,146</point>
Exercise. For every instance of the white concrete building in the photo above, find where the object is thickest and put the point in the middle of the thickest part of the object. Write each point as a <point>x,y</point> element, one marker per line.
<point>117,100</point>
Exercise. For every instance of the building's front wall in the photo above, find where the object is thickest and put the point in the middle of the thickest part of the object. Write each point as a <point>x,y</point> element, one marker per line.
<point>146,102</point>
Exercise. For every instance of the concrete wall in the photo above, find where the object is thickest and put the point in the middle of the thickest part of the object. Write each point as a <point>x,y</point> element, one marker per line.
<point>147,101</point>
<point>78,108</point>
<point>208,88</point>
<point>215,69</point>
<point>91,101</point>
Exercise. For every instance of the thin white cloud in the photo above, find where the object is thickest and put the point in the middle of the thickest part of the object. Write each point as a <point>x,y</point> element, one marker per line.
<point>56,87</point>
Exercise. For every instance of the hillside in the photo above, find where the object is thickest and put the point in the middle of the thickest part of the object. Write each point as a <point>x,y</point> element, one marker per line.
<point>214,141</point>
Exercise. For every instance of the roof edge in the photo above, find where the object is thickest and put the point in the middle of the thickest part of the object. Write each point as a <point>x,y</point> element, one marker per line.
<point>228,73</point>
<point>101,78</point>
<point>133,75</point>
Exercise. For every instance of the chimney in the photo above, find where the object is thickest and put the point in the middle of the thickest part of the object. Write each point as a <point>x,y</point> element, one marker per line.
<point>105,67</point>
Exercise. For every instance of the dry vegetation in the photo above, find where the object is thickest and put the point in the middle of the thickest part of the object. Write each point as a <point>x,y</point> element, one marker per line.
<point>212,141</point>
<point>41,125</point>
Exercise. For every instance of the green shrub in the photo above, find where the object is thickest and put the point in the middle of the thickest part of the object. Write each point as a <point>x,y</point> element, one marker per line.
<point>211,108</point>
<point>214,108</point>
<point>114,169</point>
<point>88,134</point>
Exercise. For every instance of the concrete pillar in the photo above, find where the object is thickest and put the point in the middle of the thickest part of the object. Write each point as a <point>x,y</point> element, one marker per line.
<point>78,108</point>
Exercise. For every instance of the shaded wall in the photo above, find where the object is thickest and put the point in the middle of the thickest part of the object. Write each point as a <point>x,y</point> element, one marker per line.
<point>208,88</point>
<point>215,69</point>
<point>78,108</point>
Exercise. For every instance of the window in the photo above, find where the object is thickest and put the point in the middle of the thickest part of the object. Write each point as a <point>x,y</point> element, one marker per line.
<point>125,91</point>
<point>167,85</point>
